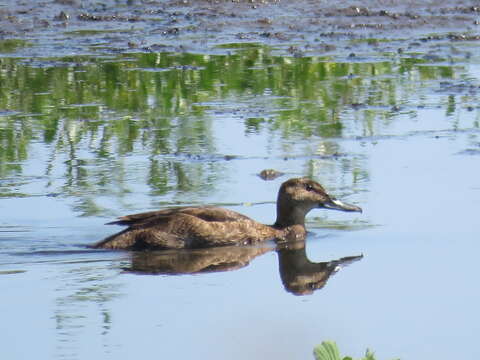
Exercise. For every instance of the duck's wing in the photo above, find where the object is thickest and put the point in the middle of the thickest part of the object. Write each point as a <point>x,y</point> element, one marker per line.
<point>140,218</point>
<point>214,214</point>
<point>206,213</point>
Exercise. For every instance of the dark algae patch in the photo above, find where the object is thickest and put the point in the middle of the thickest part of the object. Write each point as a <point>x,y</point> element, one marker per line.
<point>193,26</point>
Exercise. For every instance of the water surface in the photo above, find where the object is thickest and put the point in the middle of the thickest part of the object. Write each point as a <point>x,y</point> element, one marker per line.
<point>85,138</point>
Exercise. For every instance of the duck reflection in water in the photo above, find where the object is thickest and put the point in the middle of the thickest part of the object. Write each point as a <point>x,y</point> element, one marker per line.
<point>299,275</point>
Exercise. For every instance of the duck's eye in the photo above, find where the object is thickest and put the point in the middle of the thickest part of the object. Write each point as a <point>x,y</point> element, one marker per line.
<point>308,187</point>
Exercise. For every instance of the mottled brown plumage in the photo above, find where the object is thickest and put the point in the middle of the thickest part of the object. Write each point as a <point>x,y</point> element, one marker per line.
<point>199,227</point>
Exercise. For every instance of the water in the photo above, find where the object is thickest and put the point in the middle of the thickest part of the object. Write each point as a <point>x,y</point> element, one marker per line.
<point>86,138</point>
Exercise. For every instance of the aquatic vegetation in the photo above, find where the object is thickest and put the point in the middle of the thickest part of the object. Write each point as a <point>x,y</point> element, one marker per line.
<point>328,350</point>
<point>11,45</point>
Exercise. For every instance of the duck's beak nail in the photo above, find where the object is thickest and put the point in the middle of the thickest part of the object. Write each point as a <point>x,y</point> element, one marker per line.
<point>339,205</point>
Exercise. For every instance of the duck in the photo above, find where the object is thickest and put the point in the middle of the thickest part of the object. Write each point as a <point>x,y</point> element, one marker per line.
<point>193,227</point>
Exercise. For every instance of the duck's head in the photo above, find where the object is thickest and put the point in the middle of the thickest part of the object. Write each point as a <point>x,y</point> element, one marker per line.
<point>298,196</point>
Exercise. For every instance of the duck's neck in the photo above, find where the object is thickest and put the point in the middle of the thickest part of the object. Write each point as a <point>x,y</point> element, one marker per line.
<point>288,215</point>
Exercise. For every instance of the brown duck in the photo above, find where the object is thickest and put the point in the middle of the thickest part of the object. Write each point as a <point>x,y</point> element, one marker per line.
<point>200,227</point>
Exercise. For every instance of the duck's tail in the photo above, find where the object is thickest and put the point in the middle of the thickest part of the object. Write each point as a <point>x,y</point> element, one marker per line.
<point>124,239</point>
<point>140,239</point>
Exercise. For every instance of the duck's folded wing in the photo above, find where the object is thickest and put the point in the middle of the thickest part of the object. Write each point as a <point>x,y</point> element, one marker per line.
<point>214,214</point>
<point>205,213</point>
<point>145,217</point>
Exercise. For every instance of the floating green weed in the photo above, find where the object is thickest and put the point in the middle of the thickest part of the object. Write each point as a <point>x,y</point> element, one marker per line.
<point>10,45</point>
<point>328,350</point>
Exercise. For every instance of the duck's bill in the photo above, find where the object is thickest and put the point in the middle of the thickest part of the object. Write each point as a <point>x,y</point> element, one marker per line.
<point>335,204</point>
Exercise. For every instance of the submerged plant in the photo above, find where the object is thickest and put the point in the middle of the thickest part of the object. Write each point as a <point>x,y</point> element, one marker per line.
<point>328,350</point>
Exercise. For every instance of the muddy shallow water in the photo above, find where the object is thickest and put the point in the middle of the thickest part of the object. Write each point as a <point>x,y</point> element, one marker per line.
<point>120,107</point>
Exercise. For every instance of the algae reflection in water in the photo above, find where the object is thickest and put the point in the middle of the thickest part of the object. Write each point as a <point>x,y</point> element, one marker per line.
<point>86,116</point>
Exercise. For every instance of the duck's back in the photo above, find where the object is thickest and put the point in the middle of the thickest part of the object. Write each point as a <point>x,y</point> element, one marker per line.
<point>186,227</point>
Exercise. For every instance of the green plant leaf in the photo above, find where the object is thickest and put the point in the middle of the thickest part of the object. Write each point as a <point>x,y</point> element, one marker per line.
<point>369,355</point>
<point>327,350</point>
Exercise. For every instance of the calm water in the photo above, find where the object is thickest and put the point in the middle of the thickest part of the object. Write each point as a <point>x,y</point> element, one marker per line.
<point>84,139</point>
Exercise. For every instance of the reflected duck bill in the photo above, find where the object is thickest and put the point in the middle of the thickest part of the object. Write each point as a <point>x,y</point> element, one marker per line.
<point>335,204</point>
